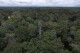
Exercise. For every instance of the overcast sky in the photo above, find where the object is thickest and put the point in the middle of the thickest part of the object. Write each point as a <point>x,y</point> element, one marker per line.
<point>53,3</point>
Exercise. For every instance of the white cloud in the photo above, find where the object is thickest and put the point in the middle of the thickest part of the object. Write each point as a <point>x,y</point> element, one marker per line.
<point>68,3</point>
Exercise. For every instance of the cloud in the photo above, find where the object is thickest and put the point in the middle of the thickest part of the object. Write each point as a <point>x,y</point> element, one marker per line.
<point>62,3</point>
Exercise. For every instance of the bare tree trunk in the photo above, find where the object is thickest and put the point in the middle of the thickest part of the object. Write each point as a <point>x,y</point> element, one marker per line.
<point>40,28</point>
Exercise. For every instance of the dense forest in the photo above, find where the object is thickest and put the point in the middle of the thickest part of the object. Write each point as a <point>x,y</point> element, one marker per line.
<point>40,30</point>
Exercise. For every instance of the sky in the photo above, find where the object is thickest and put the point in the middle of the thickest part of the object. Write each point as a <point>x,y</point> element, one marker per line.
<point>51,3</point>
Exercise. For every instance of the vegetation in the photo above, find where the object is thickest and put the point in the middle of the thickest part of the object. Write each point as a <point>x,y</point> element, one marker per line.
<point>40,30</point>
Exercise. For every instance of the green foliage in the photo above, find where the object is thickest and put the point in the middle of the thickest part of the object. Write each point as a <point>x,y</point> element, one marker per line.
<point>21,33</point>
<point>40,30</point>
<point>13,48</point>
